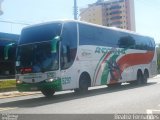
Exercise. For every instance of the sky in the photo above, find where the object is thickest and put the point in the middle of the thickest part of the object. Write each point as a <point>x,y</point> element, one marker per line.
<point>147,14</point>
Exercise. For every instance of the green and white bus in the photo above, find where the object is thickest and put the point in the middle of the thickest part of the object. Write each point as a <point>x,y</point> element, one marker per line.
<point>74,55</point>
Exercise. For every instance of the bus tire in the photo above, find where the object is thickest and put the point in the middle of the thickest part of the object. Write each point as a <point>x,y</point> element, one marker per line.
<point>139,78</point>
<point>48,92</point>
<point>145,77</point>
<point>83,84</point>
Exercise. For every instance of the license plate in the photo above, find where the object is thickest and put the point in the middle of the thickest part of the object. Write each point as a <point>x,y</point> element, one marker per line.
<point>34,88</point>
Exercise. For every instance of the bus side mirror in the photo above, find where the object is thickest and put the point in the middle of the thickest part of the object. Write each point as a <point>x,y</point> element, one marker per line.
<point>54,43</point>
<point>6,49</point>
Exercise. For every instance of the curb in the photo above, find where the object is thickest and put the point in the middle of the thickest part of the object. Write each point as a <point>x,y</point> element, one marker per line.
<point>158,76</point>
<point>16,94</point>
<point>7,89</point>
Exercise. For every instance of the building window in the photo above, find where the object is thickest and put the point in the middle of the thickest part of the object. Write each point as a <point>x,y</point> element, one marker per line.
<point>116,23</point>
<point>121,1</point>
<point>115,7</point>
<point>116,17</point>
<point>115,12</point>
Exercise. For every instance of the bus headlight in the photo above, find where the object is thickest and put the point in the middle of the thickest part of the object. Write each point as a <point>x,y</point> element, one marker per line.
<point>18,81</point>
<point>50,80</point>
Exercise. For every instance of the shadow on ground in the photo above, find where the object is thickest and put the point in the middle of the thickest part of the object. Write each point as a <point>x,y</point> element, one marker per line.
<point>41,101</point>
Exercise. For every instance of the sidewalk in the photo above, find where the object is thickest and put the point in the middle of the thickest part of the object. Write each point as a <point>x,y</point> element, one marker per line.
<point>158,76</point>
<point>15,94</point>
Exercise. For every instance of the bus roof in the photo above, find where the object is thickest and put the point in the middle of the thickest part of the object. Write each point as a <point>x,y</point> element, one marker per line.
<point>87,23</point>
<point>8,37</point>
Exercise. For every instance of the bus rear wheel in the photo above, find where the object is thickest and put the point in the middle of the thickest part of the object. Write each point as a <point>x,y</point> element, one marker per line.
<point>139,80</point>
<point>48,92</point>
<point>145,78</point>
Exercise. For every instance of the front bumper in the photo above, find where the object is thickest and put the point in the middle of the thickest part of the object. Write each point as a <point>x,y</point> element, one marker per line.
<point>26,87</point>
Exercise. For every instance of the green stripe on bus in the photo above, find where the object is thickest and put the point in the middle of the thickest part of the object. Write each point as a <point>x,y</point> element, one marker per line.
<point>105,74</point>
<point>99,63</point>
<point>56,85</point>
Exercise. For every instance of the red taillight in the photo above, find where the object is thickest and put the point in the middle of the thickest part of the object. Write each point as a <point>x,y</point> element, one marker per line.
<point>26,70</point>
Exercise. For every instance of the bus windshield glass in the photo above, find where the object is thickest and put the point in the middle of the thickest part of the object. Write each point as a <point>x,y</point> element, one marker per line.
<point>40,33</point>
<point>36,49</point>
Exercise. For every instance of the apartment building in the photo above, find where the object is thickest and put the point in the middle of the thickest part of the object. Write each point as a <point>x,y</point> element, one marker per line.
<point>112,13</point>
<point>92,14</point>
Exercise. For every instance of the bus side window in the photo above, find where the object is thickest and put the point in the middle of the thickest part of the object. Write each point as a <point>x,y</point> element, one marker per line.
<point>65,57</point>
<point>68,45</point>
<point>126,42</point>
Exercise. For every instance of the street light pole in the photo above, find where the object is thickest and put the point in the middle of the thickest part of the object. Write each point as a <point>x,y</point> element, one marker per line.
<point>1,12</point>
<point>75,9</point>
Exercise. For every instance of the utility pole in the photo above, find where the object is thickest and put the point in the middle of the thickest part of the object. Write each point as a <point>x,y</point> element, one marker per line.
<point>75,9</point>
<point>1,12</point>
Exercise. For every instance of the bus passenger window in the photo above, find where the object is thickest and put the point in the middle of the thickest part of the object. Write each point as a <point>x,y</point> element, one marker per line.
<point>68,45</point>
<point>66,60</point>
<point>126,42</point>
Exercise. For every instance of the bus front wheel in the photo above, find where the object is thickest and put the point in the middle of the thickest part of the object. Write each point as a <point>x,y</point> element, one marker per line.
<point>48,92</point>
<point>83,85</point>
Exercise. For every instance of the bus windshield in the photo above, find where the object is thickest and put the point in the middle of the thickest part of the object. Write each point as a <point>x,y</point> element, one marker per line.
<point>40,33</point>
<point>37,49</point>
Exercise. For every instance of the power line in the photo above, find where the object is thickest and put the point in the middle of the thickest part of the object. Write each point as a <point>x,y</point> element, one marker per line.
<point>22,24</point>
<point>12,22</point>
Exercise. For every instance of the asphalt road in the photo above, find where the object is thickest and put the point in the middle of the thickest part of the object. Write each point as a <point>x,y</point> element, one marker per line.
<point>100,100</point>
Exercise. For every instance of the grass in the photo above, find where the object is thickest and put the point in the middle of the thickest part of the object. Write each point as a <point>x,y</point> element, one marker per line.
<point>7,84</point>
